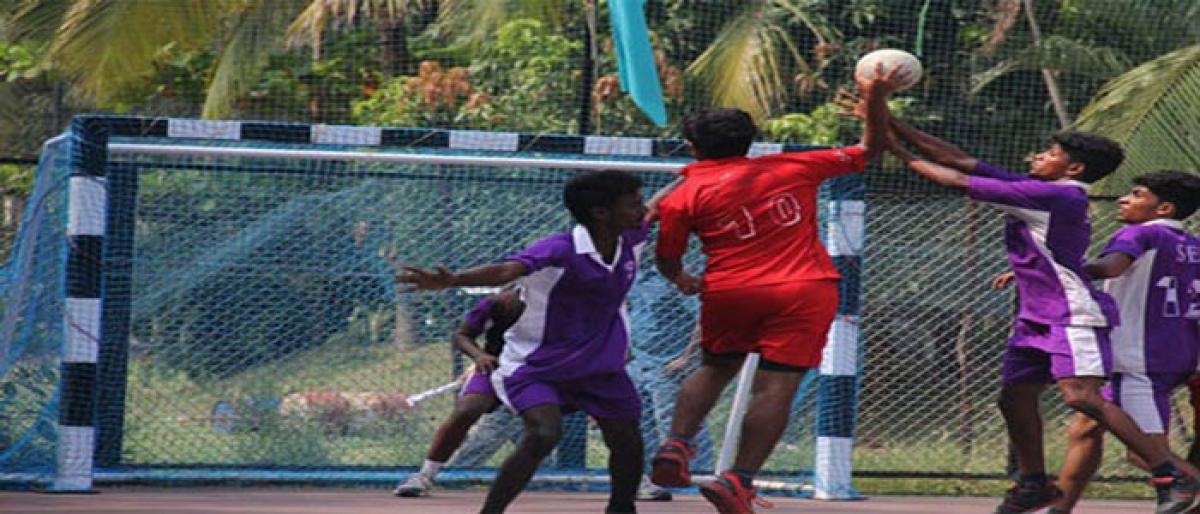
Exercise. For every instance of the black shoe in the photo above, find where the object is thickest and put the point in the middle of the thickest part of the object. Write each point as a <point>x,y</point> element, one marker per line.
<point>1176,494</point>
<point>1029,497</point>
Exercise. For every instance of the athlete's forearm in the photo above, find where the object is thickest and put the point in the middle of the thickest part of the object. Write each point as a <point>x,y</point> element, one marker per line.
<point>465,342</point>
<point>938,150</point>
<point>1108,266</point>
<point>941,175</point>
<point>489,274</point>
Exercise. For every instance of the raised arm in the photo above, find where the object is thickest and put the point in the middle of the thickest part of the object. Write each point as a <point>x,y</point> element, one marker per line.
<point>939,151</point>
<point>875,120</point>
<point>441,278</point>
<point>939,174</point>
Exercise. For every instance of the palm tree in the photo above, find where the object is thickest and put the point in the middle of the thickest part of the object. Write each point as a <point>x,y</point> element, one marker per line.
<point>745,64</point>
<point>390,17</point>
<point>1152,111</point>
<point>105,48</point>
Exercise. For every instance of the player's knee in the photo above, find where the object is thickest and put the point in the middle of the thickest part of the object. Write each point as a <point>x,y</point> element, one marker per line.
<point>1087,404</point>
<point>541,438</point>
<point>467,414</point>
<point>1085,428</point>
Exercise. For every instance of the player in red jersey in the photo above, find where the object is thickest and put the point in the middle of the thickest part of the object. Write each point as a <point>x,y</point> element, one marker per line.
<point>769,285</point>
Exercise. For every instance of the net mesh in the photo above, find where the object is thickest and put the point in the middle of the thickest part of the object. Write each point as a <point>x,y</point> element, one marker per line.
<point>266,334</point>
<point>540,68</point>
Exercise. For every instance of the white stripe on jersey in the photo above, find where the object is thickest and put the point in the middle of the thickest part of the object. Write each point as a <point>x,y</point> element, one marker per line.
<point>1084,310</point>
<point>1085,351</point>
<point>1131,289</point>
<point>526,334</point>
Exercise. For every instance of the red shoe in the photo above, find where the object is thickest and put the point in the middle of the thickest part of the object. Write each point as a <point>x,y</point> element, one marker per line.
<point>729,496</point>
<point>670,464</point>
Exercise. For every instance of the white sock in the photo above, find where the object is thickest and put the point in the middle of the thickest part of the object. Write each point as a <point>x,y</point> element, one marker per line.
<point>430,468</point>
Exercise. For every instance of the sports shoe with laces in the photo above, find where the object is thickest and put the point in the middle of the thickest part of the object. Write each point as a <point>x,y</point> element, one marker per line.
<point>647,491</point>
<point>1029,498</point>
<point>1176,494</point>
<point>416,485</point>
<point>670,464</point>
<point>729,496</point>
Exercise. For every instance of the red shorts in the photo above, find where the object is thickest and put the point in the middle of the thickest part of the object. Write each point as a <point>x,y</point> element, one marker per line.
<point>785,323</point>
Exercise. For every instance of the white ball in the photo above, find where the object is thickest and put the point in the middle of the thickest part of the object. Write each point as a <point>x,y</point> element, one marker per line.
<point>890,58</point>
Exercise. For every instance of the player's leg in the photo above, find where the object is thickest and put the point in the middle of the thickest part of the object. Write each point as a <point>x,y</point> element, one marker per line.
<point>697,395</point>
<point>728,328</point>
<point>1025,372</point>
<point>1146,397</point>
<point>1086,355</point>
<point>487,437</point>
<point>615,403</point>
<point>1085,447</point>
<point>449,436</point>
<point>1193,385</point>
<point>767,416</point>
<point>663,391</point>
<point>646,372</point>
<point>543,429</point>
<point>790,342</point>
<point>623,437</point>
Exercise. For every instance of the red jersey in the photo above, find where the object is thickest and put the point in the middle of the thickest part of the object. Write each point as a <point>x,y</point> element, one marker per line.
<point>756,218</point>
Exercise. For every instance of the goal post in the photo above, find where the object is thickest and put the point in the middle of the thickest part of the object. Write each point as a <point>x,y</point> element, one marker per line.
<point>234,270</point>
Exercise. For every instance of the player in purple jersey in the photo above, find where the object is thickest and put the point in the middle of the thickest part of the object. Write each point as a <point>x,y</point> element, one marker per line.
<point>1060,334</point>
<point>569,346</point>
<point>1152,267</point>
<point>492,316</point>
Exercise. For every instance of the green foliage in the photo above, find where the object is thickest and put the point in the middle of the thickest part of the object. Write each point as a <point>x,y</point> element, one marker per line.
<point>1152,110</point>
<point>16,179</point>
<point>505,87</point>
<point>824,125</point>
<point>17,61</point>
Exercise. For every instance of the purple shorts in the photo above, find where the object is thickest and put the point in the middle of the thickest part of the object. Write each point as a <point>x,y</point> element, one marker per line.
<point>1146,397</point>
<point>609,396</point>
<point>1043,354</point>
<point>479,383</point>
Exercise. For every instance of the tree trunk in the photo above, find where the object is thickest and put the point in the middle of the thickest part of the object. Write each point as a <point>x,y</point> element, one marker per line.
<point>1060,107</point>
<point>393,39</point>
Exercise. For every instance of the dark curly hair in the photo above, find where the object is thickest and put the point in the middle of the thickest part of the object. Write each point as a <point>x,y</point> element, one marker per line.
<point>597,189</point>
<point>719,132</point>
<point>1178,187</point>
<point>1099,155</point>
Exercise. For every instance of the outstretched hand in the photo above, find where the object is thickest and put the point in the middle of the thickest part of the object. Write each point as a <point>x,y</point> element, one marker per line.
<point>852,105</point>
<point>425,280</point>
<point>884,83</point>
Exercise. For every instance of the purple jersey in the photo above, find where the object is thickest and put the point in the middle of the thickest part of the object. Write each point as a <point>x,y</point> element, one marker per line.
<point>575,323</point>
<point>1046,234</point>
<point>1159,298</point>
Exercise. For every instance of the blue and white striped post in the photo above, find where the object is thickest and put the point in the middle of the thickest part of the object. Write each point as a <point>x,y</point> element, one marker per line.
<point>837,394</point>
<point>86,209</point>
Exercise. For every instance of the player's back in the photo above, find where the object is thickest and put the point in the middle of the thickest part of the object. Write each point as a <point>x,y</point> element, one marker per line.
<point>1159,298</point>
<point>757,217</point>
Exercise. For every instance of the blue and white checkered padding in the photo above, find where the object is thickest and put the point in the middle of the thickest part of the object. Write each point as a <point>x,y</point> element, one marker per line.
<point>837,393</point>
<point>86,214</point>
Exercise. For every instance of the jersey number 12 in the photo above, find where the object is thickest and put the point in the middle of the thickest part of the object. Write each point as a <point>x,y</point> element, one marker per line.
<point>1172,306</point>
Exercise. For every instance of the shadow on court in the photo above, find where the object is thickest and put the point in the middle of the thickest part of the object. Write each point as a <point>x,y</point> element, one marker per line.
<point>137,500</point>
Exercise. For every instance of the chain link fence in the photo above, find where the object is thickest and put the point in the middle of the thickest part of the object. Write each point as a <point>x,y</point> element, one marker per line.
<point>934,332</point>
